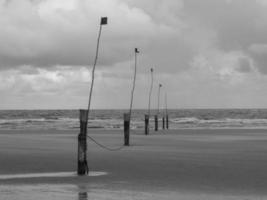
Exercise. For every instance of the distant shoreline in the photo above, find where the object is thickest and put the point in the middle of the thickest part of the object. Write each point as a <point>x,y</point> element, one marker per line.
<point>133,131</point>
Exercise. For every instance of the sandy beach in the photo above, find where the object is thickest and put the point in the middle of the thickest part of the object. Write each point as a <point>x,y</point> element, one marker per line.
<point>174,164</point>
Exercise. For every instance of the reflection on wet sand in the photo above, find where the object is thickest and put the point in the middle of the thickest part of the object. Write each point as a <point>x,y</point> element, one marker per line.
<point>82,196</point>
<point>82,192</point>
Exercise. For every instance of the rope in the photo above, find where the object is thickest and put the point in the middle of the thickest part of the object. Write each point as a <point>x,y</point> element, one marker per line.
<point>103,146</point>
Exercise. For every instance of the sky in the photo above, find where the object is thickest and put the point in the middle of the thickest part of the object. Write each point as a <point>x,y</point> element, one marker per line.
<point>206,54</point>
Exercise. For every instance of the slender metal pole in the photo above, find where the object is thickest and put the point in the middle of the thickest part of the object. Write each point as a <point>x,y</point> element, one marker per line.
<point>132,93</point>
<point>93,71</point>
<point>150,92</point>
<point>166,108</point>
<point>159,97</point>
<point>147,117</point>
<point>127,117</point>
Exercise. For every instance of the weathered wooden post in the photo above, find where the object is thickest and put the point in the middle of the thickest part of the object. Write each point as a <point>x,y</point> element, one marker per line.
<point>146,124</point>
<point>126,117</point>
<point>167,122</point>
<point>163,123</point>
<point>82,144</point>
<point>156,122</point>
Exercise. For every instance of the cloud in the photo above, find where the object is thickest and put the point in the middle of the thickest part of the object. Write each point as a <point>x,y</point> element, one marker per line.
<point>167,12</point>
<point>236,30</point>
<point>53,32</point>
<point>205,53</point>
<point>244,65</point>
<point>259,52</point>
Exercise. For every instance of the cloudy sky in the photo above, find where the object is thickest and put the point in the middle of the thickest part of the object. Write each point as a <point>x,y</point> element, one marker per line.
<point>207,54</point>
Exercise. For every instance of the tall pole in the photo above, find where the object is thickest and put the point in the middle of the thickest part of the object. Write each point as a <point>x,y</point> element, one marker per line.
<point>166,107</point>
<point>104,21</point>
<point>127,116</point>
<point>166,112</point>
<point>134,79</point>
<point>82,168</point>
<point>156,116</point>
<point>150,91</point>
<point>159,97</point>
<point>147,117</point>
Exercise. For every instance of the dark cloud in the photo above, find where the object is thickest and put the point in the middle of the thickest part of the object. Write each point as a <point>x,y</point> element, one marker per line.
<point>44,34</point>
<point>199,48</point>
<point>234,21</point>
<point>169,55</point>
<point>258,52</point>
<point>260,61</point>
<point>47,33</point>
<point>238,25</point>
<point>244,65</point>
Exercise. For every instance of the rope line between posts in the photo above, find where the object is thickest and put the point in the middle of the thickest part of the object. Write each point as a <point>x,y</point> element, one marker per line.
<point>103,146</point>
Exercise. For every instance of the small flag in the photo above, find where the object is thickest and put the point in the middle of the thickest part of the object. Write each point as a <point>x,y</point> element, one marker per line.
<point>136,50</point>
<point>160,85</point>
<point>104,21</point>
<point>151,69</point>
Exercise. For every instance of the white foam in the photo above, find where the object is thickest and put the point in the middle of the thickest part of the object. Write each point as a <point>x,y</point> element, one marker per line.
<point>51,174</point>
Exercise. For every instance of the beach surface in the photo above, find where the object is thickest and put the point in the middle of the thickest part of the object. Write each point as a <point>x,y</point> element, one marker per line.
<point>174,164</point>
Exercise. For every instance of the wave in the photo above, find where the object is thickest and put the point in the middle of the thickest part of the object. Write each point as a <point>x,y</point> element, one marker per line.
<point>106,119</point>
<point>219,123</point>
<point>186,120</point>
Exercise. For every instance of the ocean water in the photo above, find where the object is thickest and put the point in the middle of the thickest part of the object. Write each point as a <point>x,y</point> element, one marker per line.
<point>113,119</point>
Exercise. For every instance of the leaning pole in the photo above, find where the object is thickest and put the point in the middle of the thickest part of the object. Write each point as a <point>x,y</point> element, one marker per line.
<point>147,117</point>
<point>82,167</point>
<point>156,116</point>
<point>127,116</point>
<point>166,112</point>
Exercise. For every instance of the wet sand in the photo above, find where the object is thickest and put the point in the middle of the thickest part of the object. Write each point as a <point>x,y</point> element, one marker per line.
<point>176,164</point>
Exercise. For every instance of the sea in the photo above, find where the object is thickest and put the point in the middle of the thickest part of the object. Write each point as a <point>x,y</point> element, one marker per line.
<point>113,119</point>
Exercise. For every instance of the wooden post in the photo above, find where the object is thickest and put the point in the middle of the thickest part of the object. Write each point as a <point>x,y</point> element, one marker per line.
<point>126,117</point>
<point>146,124</point>
<point>82,144</point>
<point>163,123</point>
<point>156,122</point>
<point>167,122</point>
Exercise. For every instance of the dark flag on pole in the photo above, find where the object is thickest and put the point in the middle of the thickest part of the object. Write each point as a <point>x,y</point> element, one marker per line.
<point>104,21</point>
<point>160,85</point>
<point>136,50</point>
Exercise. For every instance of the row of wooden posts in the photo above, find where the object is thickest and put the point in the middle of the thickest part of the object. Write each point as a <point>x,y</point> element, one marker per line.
<point>84,114</point>
<point>165,124</point>
<point>82,168</point>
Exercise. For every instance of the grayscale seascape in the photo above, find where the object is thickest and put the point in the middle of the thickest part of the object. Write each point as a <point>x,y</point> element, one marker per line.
<point>133,100</point>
